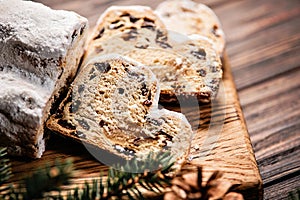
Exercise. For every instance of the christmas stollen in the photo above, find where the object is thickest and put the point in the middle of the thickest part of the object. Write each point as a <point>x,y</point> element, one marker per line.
<point>40,50</point>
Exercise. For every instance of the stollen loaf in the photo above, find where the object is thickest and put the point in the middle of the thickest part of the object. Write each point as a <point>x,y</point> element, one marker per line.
<point>113,105</point>
<point>40,50</point>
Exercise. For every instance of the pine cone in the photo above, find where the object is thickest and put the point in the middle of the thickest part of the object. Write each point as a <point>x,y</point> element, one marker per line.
<point>188,186</point>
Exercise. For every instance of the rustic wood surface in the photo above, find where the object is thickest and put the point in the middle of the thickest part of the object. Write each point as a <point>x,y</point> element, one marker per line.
<point>263,46</point>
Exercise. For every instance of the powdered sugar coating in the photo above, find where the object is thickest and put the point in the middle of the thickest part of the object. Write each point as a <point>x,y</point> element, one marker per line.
<point>40,49</point>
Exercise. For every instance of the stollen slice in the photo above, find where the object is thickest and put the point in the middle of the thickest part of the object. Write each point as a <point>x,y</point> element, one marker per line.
<point>119,19</point>
<point>188,17</point>
<point>187,67</point>
<point>113,105</point>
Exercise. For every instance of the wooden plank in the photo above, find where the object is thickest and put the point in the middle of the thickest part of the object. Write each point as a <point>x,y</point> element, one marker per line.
<point>262,38</point>
<point>225,147</point>
<point>233,152</point>
<point>273,120</point>
<point>263,46</point>
<point>281,190</point>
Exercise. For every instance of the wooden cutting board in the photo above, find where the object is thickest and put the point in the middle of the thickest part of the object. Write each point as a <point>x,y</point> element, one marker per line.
<point>221,142</point>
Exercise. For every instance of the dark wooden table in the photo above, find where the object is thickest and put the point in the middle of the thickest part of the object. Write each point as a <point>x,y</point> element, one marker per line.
<point>263,44</point>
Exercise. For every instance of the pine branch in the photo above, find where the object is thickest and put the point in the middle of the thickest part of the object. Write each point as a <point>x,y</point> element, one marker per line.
<point>294,195</point>
<point>121,183</point>
<point>39,183</point>
<point>48,179</point>
<point>118,184</point>
<point>5,167</point>
<point>5,171</point>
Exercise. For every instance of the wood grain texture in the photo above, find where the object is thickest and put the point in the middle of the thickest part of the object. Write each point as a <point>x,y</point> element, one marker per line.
<point>264,52</point>
<point>263,45</point>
